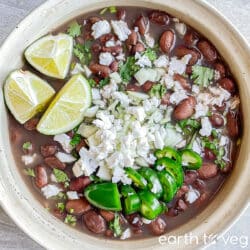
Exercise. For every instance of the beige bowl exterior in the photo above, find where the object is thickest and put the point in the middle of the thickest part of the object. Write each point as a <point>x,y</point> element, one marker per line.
<point>39,224</point>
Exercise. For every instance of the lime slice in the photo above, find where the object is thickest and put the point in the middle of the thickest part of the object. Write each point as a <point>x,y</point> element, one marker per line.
<point>51,55</point>
<point>26,94</point>
<point>67,109</point>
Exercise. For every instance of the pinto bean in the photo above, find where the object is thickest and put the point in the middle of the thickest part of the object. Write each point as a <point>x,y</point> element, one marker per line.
<point>53,162</point>
<point>185,108</point>
<point>142,23</point>
<point>147,86</point>
<point>96,48</point>
<point>165,100</point>
<point>41,178</point>
<point>232,124</point>
<point>80,40</point>
<point>59,214</point>
<point>190,177</point>
<point>77,207</point>
<point>181,205</point>
<point>114,50</point>
<point>184,189</point>
<point>189,70</point>
<point>157,226</point>
<point>221,108</point>
<point>94,222</point>
<point>107,215</point>
<point>133,87</point>
<point>200,201</point>
<point>100,70</point>
<point>190,38</point>
<point>132,38</point>
<point>227,168</point>
<point>139,47</point>
<point>207,170</point>
<point>106,37</point>
<point>159,17</point>
<point>183,81</point>
<point>121,14</point>
<point>172,212</point>
<point>166,41</point>
<point>208,51</point>
<point>31,124</point>
<point>227,84</point>
<point>134,220</point>
<point>221,69</point>
<point>79,183</point>
<point>81,144</point>
<point>216,120</point>
<point>209,154</point>
<point>109,233</point>
<point>183,50</point>
<point>114,66</point>
<point>94,19</point>
<point>199,184</point>
<point>48,150</point>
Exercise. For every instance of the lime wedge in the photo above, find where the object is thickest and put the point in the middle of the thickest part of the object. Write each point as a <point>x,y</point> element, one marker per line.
<point>67,109</point>
<point>26,94</point>
<point>51,55</point>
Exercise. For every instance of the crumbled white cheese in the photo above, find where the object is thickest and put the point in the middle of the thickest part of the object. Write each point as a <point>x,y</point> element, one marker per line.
<point>121,57</point>
<point>223,141</point>
<point>178,65</point>
<point>107,90</point>
<point>219,95</point>
<point>121,29</point>
<point>159,143</point>
<point>28,159</point>
<point>110,43</point>
<point>64,140</point>
<point>53,178</point>
<point>200,110</point>
<point>115,77</point>
<point>122,98</point>
<point>72,195</point>
<point>100,28</point>
<point>150,41</point>
<point>161,62</point>
<point>66,158</point>
<point>177,97</point>
<point>77,69</point>
<point>96,94</point>
<point>119,175</point>
<point>138,112</point>
<point>181,28</point>
<point>87,71</point>
<point>195,89</point>
<point>91,112</point>
<point>126,234</point>
<point>206,127</point>
<point>147,74</point>
<point>77,168</point>
<point>192,195</point>
<point>142,61</point>
<point>104,173</point>
<point>50,190</point>
<point>105,58</point>
<point>197,147</point>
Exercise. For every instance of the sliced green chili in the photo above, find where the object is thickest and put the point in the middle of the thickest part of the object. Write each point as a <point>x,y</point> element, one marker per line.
<point>131,200</point>
<point>190,159</point>
<point>104,195</point>
<point>154,184</point>
<point>168,152</point>
<point>138,180</point>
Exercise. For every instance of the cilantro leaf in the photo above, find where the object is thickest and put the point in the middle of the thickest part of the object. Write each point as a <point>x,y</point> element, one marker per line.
<point>128,69</point>
<point>74,29</point>
<point>75,140</point>
<point>158,90</point>
<point>112,10</point>
<point>103,82</point>
<point>150,53</point>
<point>189,126</point>
<point>60,206</point>
<point>60,175</point>
<point>82,52</point>
<point>92,82</point>
<point>27,145</point>
<point>202,75</point>
<point>115,225</point>
<point>30,172</point>
<point>70,219</point>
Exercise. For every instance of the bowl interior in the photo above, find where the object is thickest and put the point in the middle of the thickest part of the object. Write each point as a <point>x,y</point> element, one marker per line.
<point>16,198</point>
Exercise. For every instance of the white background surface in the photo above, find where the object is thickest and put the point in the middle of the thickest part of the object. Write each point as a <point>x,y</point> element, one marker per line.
<point>12,11</point>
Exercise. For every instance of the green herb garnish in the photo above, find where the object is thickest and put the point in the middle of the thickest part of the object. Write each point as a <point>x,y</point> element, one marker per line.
<point>189,126</point>
<point>75,140</point>
<point>202,75</point>
<point>115,225</point>
<point>74,29</point>
<point>27,145</point>
<point>60,206</point>
<point>150,53</point>
<point>30,172</point>
<point>103,82</point>
<point>70,219</point>
<point>92,82</point>
<point>158,90</point>
<point>128,69</point>
<point>83,52</point>
<point>60,175</point>
<point>112,10</point>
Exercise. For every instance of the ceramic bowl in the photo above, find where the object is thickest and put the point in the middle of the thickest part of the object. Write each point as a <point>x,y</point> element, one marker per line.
<point>39,224</point>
